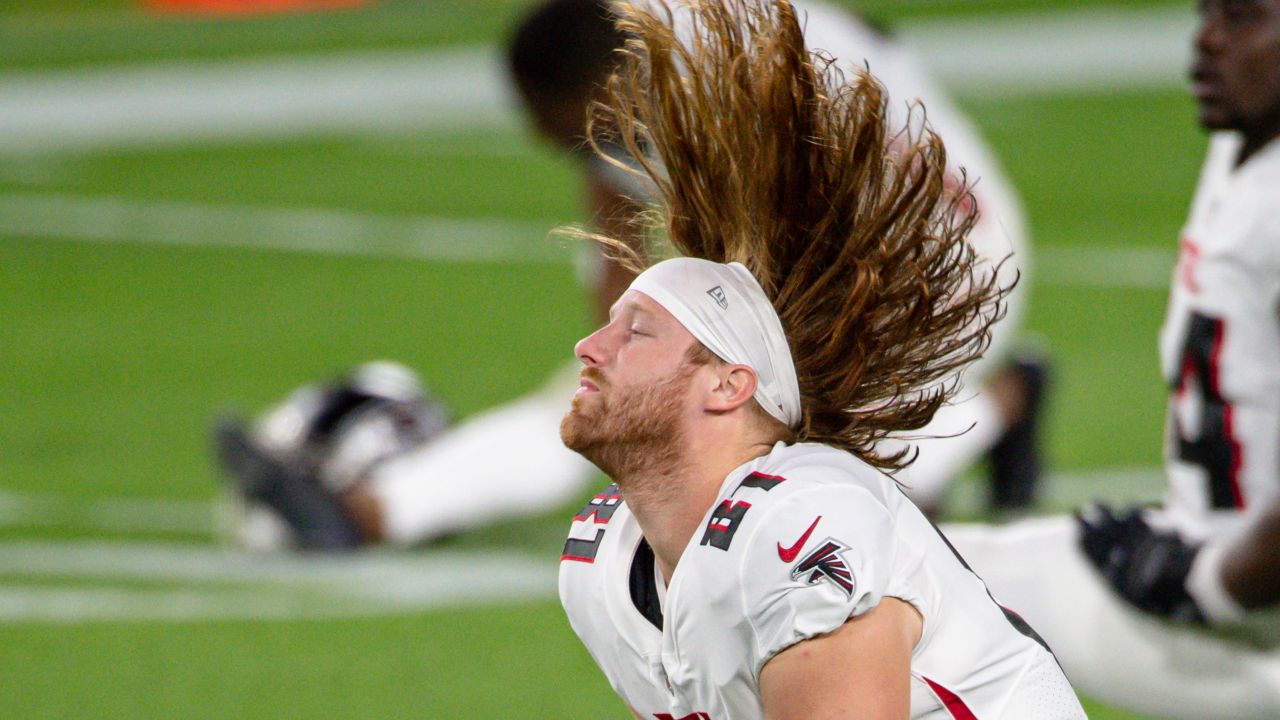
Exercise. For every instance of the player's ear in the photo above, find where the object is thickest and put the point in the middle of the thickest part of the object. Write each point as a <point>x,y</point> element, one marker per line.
<point>736,386</point>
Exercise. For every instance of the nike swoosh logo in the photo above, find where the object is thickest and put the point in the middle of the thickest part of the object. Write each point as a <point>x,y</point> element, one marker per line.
<point>789,554</point>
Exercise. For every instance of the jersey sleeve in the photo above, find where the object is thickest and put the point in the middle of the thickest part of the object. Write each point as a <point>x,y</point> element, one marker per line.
<point>818,558</point>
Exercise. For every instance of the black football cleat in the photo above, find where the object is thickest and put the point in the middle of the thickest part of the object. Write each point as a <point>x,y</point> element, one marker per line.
<point>316,516</point>
<point>1016,465</point>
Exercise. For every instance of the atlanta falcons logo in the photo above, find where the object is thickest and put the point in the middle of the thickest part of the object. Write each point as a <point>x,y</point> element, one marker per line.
<point>826,563</point>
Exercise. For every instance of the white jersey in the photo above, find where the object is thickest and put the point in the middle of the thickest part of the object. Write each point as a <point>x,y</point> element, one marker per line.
<point>1220,344</point>
<point>797,542</point>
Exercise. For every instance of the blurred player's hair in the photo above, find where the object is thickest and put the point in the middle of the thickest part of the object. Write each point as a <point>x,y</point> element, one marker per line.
<point>563,49</point>
<point>763,154</point>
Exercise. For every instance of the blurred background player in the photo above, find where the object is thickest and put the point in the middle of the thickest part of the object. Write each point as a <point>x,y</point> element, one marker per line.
<point>1176,610</point>
<point>405,479</point>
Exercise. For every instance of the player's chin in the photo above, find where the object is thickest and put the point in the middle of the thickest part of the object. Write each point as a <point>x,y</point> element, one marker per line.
<point>1214,116</point>
<point>576,427</point>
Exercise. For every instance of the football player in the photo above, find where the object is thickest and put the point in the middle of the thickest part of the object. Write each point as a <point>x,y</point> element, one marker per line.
<point>752,560</point>
<point>1174,610</point>
<point>559,58</point>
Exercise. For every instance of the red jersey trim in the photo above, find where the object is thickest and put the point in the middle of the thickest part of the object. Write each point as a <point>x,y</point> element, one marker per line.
<point>951,701</point>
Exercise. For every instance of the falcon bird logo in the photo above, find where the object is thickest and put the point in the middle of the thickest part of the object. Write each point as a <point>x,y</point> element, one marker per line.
<point>825,563</point>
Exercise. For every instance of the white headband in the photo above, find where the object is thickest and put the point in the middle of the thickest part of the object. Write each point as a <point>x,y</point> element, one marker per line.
<point>724,307</point>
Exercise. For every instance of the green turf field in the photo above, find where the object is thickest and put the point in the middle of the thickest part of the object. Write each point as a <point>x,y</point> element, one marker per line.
<point>128,326</point>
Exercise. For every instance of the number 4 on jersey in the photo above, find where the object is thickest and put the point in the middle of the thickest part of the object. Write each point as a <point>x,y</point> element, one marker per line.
<point>1205,436</point>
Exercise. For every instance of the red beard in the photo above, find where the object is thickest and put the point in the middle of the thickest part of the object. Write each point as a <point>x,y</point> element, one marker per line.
<point>622,429</point>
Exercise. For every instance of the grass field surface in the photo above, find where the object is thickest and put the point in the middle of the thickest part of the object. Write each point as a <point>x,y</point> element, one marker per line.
<point>146,285</point>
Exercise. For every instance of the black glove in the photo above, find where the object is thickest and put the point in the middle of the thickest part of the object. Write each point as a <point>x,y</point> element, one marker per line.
<point>1148,567</point>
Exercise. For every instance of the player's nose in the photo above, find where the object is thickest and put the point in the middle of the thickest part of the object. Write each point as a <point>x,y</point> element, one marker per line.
<point>591,350</point>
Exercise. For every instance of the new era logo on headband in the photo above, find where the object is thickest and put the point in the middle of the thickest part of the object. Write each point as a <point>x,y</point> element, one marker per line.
<point>717,294</point>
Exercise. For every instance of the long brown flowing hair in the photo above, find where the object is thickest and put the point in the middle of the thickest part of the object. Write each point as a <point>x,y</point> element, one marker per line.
<point>765,154</point>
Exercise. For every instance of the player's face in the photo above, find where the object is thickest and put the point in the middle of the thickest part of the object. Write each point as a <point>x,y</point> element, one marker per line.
<point>1236,72</point>
<point>560,121</point>
<point>634,388</point>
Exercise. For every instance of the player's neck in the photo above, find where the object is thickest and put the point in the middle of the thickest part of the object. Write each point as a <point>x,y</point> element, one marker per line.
<point>669,512</point>
<point>670,507</point>
<point>1256,139</point>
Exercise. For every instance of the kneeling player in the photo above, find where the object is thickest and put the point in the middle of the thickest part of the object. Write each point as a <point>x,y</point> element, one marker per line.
<point>1176,610</point>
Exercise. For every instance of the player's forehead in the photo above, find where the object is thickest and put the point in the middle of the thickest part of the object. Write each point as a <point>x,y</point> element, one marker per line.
<point>635,304</point>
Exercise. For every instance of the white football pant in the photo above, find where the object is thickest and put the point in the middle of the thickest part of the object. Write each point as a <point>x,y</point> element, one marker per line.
<point>1110,651</point>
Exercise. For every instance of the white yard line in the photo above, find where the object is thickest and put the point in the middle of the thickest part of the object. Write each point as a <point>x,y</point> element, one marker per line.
<point>308,230</point>
<point>107,514</point>
<point>212,583</point>
<point>1066,491</point>
<point>464,88</point>
<point>24,604</point>
<point>384,576</point>
<point>344,232</point>
<point>1099,266</point>
<point>1095,50</point>
<point>159,515</point>
<point>282,97</point>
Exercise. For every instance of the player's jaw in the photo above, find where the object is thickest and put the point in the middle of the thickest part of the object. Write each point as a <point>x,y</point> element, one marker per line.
<point>623,429</point>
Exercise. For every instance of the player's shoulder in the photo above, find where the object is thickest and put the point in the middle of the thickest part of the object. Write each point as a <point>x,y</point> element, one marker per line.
<point>782,503</point>
<point>814,473</point>
<point>1233,215</point>
<point>1259,179</point>
<point>1266,161</point>
<point>1255,185</point>
<point>601,530</point>
<point>799,540</point>
<point>1249,209</point>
